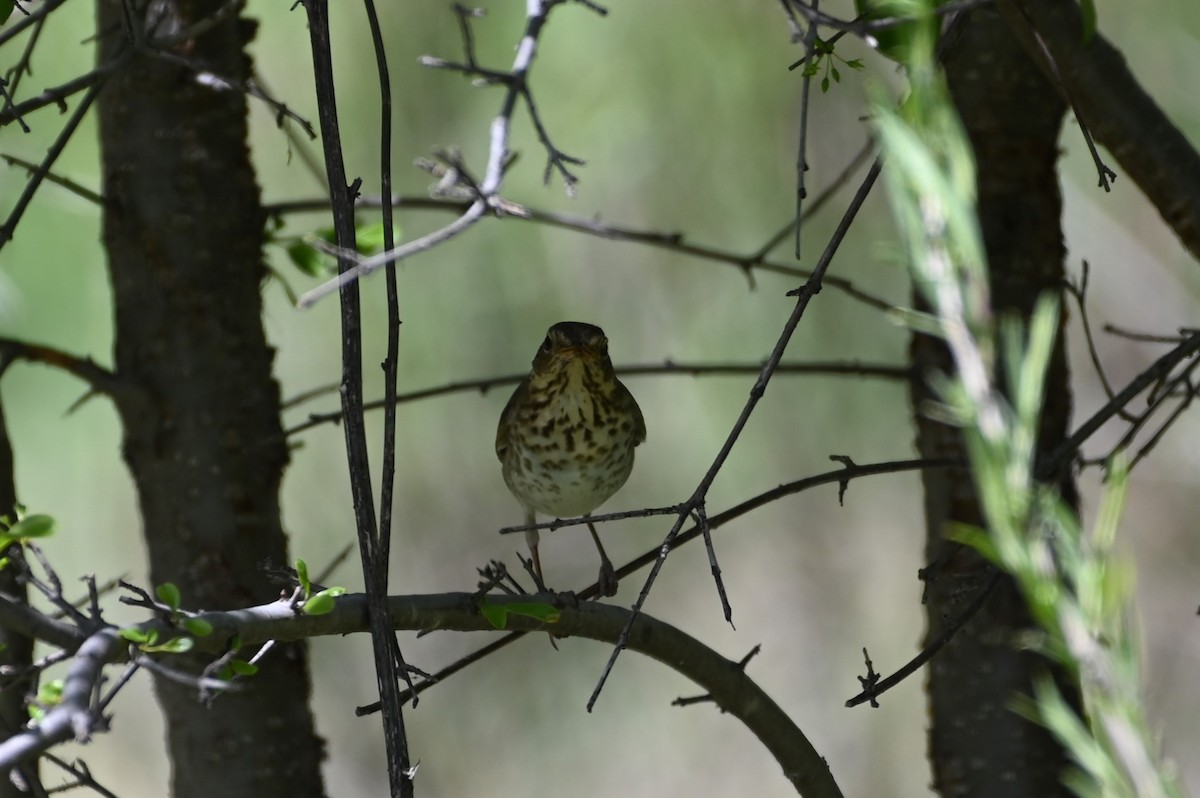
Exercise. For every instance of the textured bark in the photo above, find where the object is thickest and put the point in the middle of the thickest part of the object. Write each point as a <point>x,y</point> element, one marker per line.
<point>1116,109</point>
<point>17,652</point>
<point>183,229</point>
<point>978,746</point>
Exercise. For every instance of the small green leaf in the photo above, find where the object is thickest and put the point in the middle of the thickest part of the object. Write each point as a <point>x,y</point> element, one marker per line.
<point>1087,8</point>
<point>6,9</point>
<point>49,695</point>
<point>242,668</point>
<point>168,593</point>
<point>178,645</point>
<point>32,526</point>
<point>302,577</point>
<point>306,259</point>
<point>497,614</point>
<point>320,604</point>
<point>825,85</point>
<point>368,238</point>
<point>197,627</point>
<point>139,636</point>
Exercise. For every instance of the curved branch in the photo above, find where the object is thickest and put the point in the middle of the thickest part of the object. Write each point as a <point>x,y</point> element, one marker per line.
<point>724,679</point>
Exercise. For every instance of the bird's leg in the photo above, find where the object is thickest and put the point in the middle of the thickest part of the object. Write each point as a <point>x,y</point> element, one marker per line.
<point>531,540</point>
<point>607,580</point>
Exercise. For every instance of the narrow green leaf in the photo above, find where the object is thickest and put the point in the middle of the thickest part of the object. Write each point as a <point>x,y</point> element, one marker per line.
<point>1087,9</point>
<point>302,577</point>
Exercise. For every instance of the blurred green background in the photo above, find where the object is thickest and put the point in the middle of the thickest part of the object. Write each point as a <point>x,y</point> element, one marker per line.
<point>687,118</point>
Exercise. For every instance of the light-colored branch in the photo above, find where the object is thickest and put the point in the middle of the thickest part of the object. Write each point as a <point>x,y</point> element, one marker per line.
<point>731,689</point>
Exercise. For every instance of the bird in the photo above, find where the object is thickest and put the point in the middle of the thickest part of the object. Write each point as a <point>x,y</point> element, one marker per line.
<point>566,437</point>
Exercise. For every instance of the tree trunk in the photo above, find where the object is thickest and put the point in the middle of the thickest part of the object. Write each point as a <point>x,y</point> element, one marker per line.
<point>978,746</point>
<point>183,229</point>
<point>16,650</point>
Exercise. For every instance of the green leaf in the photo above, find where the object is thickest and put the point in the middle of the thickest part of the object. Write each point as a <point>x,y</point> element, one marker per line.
<point>178,645</point>
<point>497,614</point>
<point>49,695</point>
<point>168,593</point>
<point>197,627</point>
<point>242,668</point>
<point>320,604</point>
<point>1087,9</point>
<point>307,259</point>
<point>32,526</point>
<point>368,238</point>
<point>139,636</point>
<point>6,9</point>
<point>302,577</point>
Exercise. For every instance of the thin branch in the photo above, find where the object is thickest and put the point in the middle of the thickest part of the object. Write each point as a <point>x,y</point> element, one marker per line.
<point>35,180</point>
<point>77,189</point>
<point>1079,292</point>
<point>803,296</point>
<point>482,386</point>
<point>400,768</point>
<point>810,38</point>
<point>537,12</point>
<point>98,378</point>
<point>1015,12</point>
<point>673,242</point>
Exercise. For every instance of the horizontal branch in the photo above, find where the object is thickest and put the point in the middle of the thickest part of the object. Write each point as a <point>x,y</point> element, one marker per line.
<point>732,690</point>
<point>852,368</point>
<point>673,242</point>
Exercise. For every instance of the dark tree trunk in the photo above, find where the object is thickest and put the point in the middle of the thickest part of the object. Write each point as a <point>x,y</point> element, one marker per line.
<point>978,746</point>
<point>183,228</point>
<point>16,654</point>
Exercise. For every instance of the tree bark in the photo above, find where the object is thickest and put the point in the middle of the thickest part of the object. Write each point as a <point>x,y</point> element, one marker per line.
<point>183,230</point>
<point>978,746</point>
<point>16,649</point>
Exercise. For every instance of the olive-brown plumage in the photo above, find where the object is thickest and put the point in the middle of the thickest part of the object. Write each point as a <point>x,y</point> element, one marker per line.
<point>567,435</point>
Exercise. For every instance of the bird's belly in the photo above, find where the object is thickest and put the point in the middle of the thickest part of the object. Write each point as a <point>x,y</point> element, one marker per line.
<point>563,484</point>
